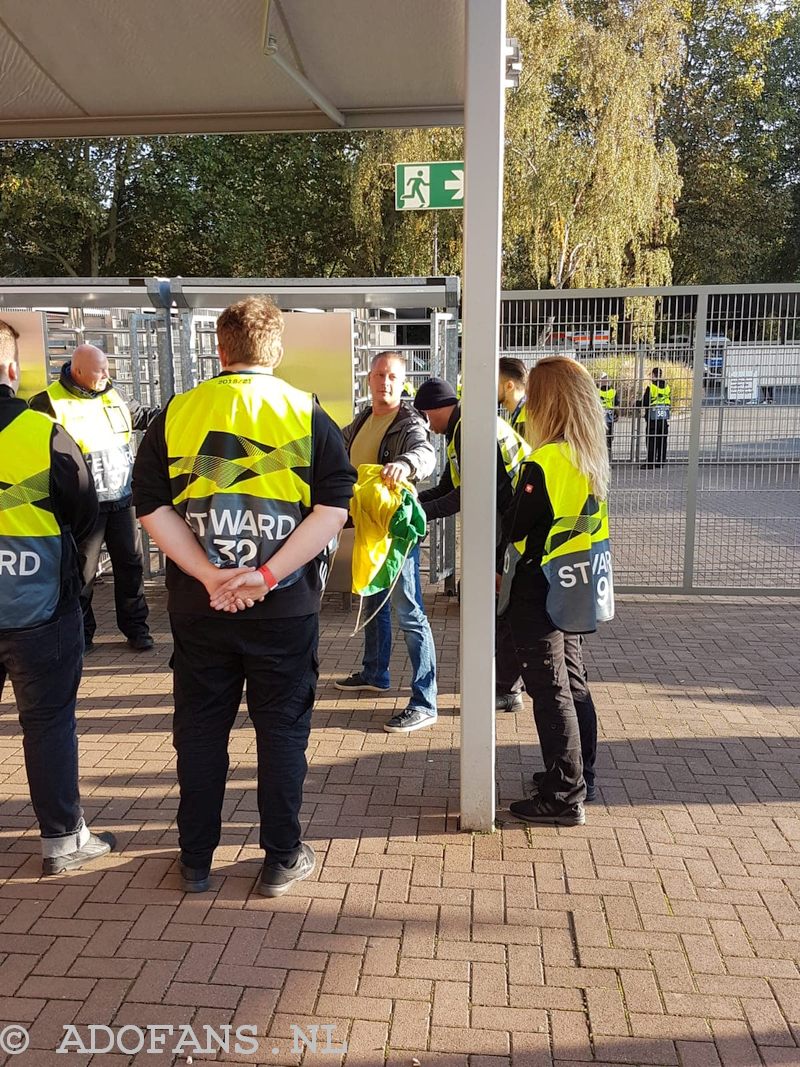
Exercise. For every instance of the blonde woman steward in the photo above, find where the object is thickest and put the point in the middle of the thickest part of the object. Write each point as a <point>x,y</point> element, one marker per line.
<point>557,582</point>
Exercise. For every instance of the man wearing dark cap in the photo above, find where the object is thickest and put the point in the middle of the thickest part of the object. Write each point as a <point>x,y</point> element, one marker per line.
<point>438,400</point>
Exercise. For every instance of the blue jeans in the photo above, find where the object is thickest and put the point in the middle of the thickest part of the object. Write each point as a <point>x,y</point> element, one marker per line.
<point>44,665</point>
<point>407,602</point>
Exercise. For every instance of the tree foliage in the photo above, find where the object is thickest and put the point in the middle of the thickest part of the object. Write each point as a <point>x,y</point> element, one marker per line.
<point>649,141</point>
<point>727,113</point>
<point>590,186</point>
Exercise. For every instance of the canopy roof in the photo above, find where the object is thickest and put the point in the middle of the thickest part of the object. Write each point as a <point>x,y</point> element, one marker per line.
<point>89,68</point>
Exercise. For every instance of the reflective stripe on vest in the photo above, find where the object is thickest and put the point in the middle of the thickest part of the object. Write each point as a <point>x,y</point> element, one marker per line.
<point>239,453</point>
<point>514,450</point>
<point>577,558</point>
<point>30,536</point>
<point>607,398</point>
<point>101,427</point>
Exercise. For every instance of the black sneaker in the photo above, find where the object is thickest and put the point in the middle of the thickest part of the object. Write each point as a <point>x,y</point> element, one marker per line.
<point>355,683</point>
<point>98,845</point>
<point>410,719</point>
<point>508,702</point>
<point>194,879</point>
<point>277,878</point>
<point>141,643</point>
<point>591,790</point>
<point>544,812</point>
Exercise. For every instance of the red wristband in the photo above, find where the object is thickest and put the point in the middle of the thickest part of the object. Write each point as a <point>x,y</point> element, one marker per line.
<point>268,576</point>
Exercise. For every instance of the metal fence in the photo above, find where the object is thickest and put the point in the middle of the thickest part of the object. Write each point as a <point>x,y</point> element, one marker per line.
<point>169,347</point>
<point>723,512</point>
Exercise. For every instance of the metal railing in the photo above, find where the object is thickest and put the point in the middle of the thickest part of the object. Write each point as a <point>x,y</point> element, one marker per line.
<point>723,512</point>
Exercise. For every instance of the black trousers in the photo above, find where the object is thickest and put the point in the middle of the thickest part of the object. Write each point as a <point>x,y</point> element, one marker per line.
<point>44,665</point>
<point>213,659</point>
<point>123,539</point>
<point>552,668</point>
<point>506,664</point>
<point>656,433</point>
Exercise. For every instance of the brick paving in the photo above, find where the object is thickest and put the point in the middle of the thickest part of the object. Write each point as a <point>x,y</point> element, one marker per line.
<point>664,932</point>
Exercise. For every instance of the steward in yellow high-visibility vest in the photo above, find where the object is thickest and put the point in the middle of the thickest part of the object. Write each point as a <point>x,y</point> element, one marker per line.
<point>575,556</point>
<point>244,482</point>
<point>657,402</point>
<point>47,499</point>
<point>512,374</point>
<point>241,496</point>
<point>101,422</point>
<point>557,581</point>
<point>608,400</point>
<point>437,399</point>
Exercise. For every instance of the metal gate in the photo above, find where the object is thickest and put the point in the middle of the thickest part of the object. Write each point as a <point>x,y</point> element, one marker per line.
<point>379,330</point>
<point>723,512</point>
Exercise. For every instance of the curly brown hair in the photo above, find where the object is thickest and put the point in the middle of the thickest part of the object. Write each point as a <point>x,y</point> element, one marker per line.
<point>8,344</point>
<point>251,331</point>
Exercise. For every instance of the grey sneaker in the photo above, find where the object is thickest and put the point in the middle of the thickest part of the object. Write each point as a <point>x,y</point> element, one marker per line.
<point>408,720</point>
<point>277,878</point>
<point>98,845</point>
<point>356,683</point>
<point>543,812</point>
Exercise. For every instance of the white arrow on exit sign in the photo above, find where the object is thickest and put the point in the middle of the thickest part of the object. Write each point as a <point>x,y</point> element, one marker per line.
<point>457,184</point>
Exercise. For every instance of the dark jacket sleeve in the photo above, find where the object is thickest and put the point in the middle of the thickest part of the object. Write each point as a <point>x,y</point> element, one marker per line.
<point>442,500</point>
<point>72,486</point>
<point>151,488</point>
<point>141,417</point>
<point>332,477</point>
<point>530,513</point>
<point>418,452</point>
<point>645,401</point>
<point>41,402</point>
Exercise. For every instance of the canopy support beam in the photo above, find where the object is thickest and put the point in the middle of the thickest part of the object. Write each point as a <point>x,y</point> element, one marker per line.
<point>483,210</point>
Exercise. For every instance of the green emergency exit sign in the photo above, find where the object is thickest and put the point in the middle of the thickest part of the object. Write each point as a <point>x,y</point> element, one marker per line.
<point>428,186</point>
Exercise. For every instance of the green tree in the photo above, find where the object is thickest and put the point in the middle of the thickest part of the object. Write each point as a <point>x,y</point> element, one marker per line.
<point>65,205</point>
<point>590,185</point>
<point>736,203</point>
<point>269,206</point>
<point>393,243</point>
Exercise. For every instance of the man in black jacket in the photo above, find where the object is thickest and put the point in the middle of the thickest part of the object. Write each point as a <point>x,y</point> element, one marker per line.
<point>438,400</point>
<point>47,502</point>
<point>85,402</point>
<point>392,433</point>
<point>244,470</point>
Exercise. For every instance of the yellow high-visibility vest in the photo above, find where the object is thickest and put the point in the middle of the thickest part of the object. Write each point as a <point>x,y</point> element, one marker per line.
<point>660,401</point>
<point>514,450</point>
<point>608,398</point>
<point>577,558</point>
<point>31,542</point>
<point>101,428</point>
<point>239,451</point>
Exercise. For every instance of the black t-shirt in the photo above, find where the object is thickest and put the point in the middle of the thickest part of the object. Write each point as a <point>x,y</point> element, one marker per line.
<point>332,480</point>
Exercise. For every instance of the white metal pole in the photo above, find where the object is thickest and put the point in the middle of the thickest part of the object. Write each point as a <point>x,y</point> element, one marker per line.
<point>483,208</point>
